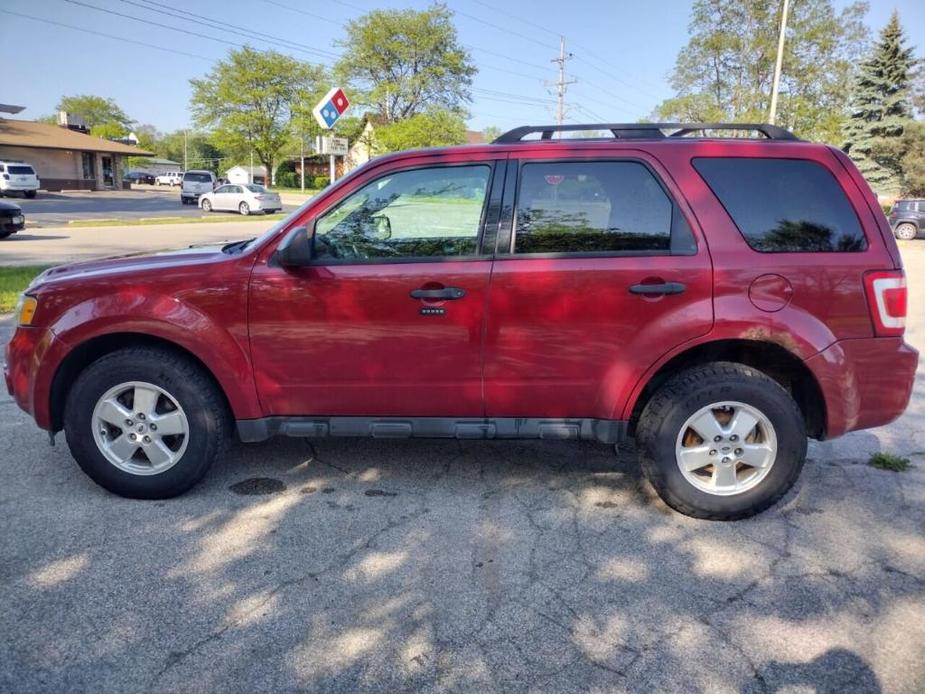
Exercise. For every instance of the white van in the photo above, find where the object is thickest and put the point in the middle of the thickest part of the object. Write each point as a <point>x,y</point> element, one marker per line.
<point>18,177</point>
<point>196,183</point>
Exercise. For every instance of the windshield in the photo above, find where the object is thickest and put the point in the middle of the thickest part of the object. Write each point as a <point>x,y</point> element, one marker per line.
<point>197,177</point>
<point>254,188</point>
<point>20,170</point>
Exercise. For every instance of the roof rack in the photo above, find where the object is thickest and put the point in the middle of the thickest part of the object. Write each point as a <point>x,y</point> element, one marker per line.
<point>648,131</point>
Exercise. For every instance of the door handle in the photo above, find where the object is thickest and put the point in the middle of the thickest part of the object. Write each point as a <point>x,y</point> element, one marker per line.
<point>660,288</point>
<point>445,294</point>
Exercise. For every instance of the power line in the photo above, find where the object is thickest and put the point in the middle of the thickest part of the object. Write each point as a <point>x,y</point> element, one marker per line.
<point>174,51</point>
<point>218,24</point>
<point>153,23</point>
<point>301,11</point>
<point>506,30</point>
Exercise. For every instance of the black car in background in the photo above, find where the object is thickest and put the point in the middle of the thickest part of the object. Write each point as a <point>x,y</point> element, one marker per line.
<point>907,218</point>
<point>139,177</point>
<point>11,219</point>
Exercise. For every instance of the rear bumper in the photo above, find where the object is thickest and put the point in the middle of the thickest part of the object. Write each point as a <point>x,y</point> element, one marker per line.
<point>866,382</point>
<point>26,380</point>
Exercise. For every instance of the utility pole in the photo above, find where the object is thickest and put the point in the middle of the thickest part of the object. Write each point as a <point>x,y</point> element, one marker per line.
<point>562,84</point>
<point>775,85</point>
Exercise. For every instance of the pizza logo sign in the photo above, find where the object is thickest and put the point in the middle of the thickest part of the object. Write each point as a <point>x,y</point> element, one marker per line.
<point>331,108</point>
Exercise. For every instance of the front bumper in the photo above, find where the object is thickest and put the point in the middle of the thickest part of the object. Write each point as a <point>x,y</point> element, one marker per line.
<point>26,371</point>
<point>7,225</point>
<point>865,382</point>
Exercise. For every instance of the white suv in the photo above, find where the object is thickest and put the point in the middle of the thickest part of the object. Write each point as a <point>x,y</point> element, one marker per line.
<point>171,178</point>
<point>18,177</point>
<point>196,183</point>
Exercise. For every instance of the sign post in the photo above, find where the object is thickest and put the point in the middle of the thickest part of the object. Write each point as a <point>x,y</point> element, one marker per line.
<point>326,113</point>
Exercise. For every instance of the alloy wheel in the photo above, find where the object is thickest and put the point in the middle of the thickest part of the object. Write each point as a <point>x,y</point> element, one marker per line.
<point>726,448</point>
<point>140,428</point>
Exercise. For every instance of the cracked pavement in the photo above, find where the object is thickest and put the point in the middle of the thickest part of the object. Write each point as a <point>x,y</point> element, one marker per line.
<point>462,565</point>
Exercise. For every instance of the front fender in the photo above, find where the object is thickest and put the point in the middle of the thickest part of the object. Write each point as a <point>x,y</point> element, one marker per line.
<point>221,345</point>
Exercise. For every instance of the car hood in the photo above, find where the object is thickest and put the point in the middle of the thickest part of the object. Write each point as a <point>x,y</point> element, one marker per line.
<point>133,263</point>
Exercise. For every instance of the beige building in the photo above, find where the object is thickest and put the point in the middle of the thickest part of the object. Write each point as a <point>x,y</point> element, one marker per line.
<point>65,158</point>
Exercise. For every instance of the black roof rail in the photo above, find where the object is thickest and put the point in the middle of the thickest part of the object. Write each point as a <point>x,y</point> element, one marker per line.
<point>647,131</point>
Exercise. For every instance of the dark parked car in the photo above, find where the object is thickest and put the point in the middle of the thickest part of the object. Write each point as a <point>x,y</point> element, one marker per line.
<point>907,218</point>
<point>139,177</point>
<point>717,298</point>
<point>11,219</point>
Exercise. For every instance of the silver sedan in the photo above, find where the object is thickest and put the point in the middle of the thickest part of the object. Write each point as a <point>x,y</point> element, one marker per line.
<point>245,198</point>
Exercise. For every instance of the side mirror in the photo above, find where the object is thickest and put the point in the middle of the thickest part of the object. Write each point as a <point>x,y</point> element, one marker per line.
<point>383,226</point>
<point>296,249</point>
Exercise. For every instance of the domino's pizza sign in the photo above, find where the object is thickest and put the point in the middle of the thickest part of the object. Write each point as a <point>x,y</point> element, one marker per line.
<point>330,108</point>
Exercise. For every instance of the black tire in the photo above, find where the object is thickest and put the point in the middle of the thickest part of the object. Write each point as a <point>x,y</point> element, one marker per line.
<point>206,205</point>
<point>681,397</point>
<point>906,231</point>
<point>210,423</point>
<point>5,234</point>
<point>30,194</point>
<point>244,209</point>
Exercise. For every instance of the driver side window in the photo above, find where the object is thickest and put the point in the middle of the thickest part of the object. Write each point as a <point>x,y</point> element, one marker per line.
<point>433,212</point>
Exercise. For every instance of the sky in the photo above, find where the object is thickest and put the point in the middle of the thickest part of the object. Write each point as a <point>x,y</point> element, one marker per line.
<point>623,51</point>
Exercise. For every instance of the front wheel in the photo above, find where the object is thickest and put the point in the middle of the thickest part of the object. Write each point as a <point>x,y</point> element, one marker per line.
<point>721,442</point>
<point>244,209</point>
<point>206,205</point>
<point>906,232</point>
<point>145,423</point>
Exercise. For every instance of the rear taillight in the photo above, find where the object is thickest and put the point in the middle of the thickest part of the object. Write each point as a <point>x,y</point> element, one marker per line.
<point>887,298</point>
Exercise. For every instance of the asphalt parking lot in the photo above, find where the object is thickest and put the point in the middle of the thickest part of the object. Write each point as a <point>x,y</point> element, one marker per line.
<point>462,565</point>
<point>57,209</point>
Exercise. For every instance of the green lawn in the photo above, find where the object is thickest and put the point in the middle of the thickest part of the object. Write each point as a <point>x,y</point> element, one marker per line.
<point>12,281</point>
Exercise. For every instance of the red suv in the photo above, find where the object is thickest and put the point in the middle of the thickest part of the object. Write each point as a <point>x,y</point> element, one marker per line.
<point>717,298</point>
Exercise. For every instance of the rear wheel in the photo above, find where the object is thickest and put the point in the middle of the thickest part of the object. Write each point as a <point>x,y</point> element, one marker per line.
<point>721,442</point>
<point>30,194</point>
<point>244,209</point>
<point>206,205</point>
<point>145,423</point>
<point>906,232</point>
<point>5,234</point>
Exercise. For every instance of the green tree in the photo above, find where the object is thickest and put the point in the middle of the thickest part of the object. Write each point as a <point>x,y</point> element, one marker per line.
<point>912,159</point>
<point>431,129</point>
<point>110,131</point>
<point>407,61</point>
<point>492,132</point>
<point>201,152</point>
<point>724,73</point>
<point>881,109</point>
<point>95,110</point>
<point>248,100</point>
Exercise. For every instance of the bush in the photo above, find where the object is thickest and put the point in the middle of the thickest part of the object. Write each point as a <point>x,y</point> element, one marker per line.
<point>322,181</point>
<point>287,179</point>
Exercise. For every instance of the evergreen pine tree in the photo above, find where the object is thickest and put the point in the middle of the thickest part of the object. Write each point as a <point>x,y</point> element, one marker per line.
<point>881,109</point>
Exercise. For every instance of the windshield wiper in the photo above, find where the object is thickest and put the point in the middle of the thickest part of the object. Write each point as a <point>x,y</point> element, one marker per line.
<point>236,246</point>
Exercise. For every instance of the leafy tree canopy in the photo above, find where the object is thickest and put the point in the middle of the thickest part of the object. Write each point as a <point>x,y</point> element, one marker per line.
<point>430,129</point>
<point>407,61</point>
<point>248,100</point>
<point>95,110</point>
<point>725,71</point>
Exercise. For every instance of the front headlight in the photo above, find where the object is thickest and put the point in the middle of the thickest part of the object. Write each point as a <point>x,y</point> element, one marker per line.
<point>25,309</point>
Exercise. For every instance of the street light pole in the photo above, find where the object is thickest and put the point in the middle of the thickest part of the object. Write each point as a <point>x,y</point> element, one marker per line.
<point>775,86</point>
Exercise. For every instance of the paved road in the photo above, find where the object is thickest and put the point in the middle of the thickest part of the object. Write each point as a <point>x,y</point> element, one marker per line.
<point>462,565</point>
<point>62,244</point>
<point>57,209</point>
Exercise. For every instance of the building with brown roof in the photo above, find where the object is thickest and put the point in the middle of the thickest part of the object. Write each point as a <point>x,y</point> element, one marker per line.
<point>65,158</point>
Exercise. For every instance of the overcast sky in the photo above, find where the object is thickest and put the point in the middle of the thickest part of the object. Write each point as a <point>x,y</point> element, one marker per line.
<point>624,50</point>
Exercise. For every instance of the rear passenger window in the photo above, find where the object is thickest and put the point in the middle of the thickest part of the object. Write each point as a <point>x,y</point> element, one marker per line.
<point>784,205</point>
<point>594,207</point>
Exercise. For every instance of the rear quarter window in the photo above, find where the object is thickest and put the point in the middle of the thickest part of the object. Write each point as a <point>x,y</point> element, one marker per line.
<point>784,205</point>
